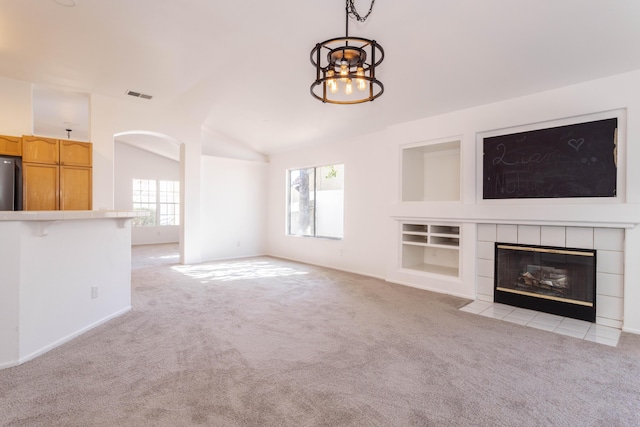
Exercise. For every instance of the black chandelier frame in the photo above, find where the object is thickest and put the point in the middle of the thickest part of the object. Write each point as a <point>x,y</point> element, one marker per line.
<point>358,54</point>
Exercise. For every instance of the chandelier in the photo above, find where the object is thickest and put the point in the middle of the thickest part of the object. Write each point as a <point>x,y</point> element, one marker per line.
<point>346,66</point>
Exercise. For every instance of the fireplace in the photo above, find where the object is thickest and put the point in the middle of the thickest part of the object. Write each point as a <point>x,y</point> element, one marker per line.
<point>554,280</point>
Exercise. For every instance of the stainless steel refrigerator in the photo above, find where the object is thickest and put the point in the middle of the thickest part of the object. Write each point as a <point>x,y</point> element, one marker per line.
<point>7,184</point>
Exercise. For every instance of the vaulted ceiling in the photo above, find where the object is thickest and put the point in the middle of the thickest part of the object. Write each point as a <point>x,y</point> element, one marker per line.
<point>243,69</point>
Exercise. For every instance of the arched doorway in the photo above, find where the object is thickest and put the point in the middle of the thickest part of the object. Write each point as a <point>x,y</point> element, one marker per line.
<point>145,160</point>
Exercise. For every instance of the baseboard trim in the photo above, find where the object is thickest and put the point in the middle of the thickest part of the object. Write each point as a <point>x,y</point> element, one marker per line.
<point>431,289</point>
<point>69,337</point>
<point>8,365</point>
<point>332,267</point>
<point>631,330</point>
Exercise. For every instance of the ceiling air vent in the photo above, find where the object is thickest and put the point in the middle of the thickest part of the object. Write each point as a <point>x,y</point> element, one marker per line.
<point>138,94</point>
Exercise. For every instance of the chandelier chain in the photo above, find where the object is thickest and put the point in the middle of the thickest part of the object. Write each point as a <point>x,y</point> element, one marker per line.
<point>351,8</point>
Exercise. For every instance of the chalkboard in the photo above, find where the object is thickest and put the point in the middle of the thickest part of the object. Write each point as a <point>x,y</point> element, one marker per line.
<point>577,160</point>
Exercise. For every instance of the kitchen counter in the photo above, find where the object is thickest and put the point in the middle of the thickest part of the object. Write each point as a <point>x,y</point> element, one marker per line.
<point>62,274</point>
<point>65,215</point>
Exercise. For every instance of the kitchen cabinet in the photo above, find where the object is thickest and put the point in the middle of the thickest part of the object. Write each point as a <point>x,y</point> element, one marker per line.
<point>36,149</point>
<point>76,153</point>
<point>57,174</point>
<point>75,188</point>
<point>10,145</point>
<point>41,187</point>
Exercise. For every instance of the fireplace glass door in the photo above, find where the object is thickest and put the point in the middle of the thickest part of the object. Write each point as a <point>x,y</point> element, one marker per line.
<point>549,279</point>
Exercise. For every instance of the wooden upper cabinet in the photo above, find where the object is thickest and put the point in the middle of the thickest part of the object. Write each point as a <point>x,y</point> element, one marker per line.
<point>75,188</point>
<point>10,145</point>
<point>36,149</point>
<point>75,153</point>
<point>41,186</point>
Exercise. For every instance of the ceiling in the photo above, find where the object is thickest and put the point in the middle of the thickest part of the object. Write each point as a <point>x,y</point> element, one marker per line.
<point>242,69</point>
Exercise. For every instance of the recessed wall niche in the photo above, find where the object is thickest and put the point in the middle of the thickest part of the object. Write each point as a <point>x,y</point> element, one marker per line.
<point>56,110</point>
<point>431,172</point>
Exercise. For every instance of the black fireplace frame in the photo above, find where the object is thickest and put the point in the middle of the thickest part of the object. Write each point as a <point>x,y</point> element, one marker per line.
<point>544,304</point>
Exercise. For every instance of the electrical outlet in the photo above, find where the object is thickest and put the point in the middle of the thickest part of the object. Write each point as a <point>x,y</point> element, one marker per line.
<point>94,292</point>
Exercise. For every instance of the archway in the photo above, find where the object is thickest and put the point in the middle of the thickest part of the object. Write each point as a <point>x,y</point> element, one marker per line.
<point>146,156</point>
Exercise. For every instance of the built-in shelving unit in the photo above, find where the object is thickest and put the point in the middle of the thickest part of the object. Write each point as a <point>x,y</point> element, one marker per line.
<point>431,172</point>
<point>431,248</point>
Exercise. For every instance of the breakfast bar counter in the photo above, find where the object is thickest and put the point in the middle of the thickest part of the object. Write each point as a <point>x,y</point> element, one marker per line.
<point>61,274</point>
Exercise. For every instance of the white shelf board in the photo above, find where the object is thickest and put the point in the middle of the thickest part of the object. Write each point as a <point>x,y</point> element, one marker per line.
<point>434,269</point>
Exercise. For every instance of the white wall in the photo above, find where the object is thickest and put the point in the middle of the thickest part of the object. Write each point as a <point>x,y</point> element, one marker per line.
<point>49,268</point>
<point>234,208</point>
<point>366,202</point>
<point>10,249</point>
<point>372,187</point>
<point>129,163</point>
<point>110,116</point>
<point>15,107</point>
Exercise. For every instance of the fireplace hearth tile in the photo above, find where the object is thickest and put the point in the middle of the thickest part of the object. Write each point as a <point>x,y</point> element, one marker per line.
<point>604,332</point>
<point>545,321</point>
<point>580,329</point>
<point>544,326</point>
<point>522,314</point>
<point>497,311</point>
<point>476,307</point>
<point>578,325</point>
<point>548,317</point>
<point>573,325</point>
<point>601,340</point>
<point>514,319</point>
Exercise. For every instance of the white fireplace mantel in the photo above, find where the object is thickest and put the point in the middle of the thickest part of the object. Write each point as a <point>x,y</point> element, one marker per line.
<point>612,215</point>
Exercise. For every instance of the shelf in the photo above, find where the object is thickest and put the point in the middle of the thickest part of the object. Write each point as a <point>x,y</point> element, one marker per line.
<point>445,241</point>
<point>415,228</point>
<point>431,248</point>
<point>412,238</point>
<point>431,172</point>
<point>435,269</point>
<point>445,229</point>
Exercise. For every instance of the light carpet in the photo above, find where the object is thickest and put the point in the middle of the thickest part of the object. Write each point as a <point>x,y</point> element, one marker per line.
<point>268,342</point>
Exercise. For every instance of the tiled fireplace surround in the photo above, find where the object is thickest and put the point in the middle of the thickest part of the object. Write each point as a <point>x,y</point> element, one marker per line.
<point>609,243</point>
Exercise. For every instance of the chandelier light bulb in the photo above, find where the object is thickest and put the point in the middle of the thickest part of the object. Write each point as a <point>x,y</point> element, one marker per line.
<point>344,70</point>
<point>362,83</point>
<point>332,83</point>
<point>348,89</point>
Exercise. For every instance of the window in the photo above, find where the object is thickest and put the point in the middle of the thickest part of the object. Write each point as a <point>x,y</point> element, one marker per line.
<point>160,199</point>
<point>316,201</point>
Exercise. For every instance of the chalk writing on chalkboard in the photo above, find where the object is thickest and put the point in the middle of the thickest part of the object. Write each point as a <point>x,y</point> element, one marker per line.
<point>576,160</point>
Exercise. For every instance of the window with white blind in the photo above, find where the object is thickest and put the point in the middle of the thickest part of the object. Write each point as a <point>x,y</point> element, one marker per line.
<point>161,201</point>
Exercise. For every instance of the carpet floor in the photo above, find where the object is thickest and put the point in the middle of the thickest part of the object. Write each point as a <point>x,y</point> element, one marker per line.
<point>268,342</point>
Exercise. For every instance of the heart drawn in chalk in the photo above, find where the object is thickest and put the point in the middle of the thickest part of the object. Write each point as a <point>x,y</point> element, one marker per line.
<point>575,143</point>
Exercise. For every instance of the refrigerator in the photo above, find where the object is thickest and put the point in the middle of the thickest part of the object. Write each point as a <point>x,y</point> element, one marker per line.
<point>7,184</point>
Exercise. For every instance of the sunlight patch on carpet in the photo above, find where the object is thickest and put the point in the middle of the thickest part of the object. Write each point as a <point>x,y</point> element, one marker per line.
<point>171,256</point>
<point>236,271</point>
